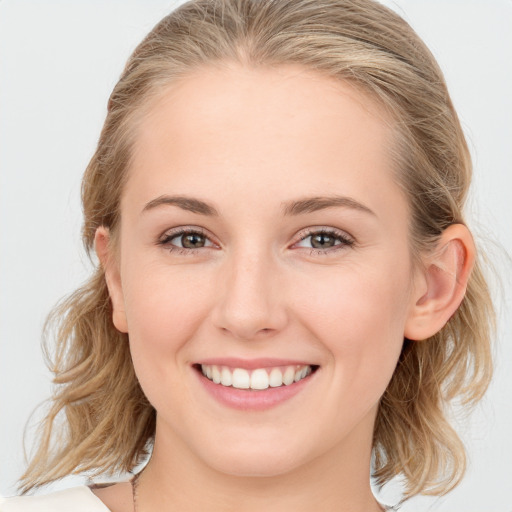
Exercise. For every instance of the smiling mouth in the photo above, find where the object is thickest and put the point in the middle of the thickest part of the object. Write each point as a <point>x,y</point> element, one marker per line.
<point>257,379</point>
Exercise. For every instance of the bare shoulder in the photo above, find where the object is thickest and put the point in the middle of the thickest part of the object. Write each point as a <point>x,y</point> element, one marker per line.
<point>116,497</point>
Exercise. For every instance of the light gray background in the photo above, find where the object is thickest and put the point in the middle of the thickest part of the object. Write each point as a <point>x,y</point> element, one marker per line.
<point>58,63</point>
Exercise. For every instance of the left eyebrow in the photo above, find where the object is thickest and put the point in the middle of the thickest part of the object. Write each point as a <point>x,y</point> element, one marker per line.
<point>190,204</point>
<point>313,204</point>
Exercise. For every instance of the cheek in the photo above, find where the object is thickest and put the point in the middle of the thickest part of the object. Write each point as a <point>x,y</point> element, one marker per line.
<point>164,309</point>
<point>354,299</point>
<point>360,318</point>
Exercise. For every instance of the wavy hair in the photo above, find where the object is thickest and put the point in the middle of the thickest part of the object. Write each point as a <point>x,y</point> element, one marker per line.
<point>99,419</point>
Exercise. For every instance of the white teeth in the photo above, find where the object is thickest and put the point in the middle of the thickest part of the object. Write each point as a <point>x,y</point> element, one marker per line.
<point>257,379</point>
<point>241,379</point>
<point>216,375</point>
<point>226,378</point>
<point>289,376</point>
<point>275,378</point>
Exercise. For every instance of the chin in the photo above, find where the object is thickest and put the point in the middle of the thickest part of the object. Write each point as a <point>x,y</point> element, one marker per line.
<point>257,459</point>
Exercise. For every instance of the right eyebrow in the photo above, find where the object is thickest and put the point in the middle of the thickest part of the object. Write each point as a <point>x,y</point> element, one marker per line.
<point>185,203</point>
<point>313,204</point>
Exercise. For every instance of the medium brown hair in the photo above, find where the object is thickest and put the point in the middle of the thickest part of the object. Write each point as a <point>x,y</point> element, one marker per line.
<point>99,419</point>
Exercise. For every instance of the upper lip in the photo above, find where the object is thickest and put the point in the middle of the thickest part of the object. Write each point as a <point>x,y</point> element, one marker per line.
<point>251,364</point>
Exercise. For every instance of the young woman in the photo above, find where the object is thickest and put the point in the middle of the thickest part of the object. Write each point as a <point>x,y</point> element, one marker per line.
<point>287,294</point>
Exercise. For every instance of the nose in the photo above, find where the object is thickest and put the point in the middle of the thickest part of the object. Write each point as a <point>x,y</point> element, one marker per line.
<point>251,300</point>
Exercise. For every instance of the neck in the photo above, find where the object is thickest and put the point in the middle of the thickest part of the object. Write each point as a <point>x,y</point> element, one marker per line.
<point>337,481</point>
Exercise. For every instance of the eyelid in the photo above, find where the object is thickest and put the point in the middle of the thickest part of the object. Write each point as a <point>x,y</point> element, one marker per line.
<point>347,240</point>
<point>171,233</point>
<point>304,233</point>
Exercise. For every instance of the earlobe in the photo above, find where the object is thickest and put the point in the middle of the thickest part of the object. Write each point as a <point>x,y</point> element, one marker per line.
<point>110,266</point>
<point>444,282</point>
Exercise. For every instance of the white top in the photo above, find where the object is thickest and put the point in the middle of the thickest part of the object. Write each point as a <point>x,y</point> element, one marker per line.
<point>76,499</point>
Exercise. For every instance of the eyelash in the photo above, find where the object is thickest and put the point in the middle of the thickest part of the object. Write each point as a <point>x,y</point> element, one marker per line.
<point>339,236</point>
<point>165,240</point>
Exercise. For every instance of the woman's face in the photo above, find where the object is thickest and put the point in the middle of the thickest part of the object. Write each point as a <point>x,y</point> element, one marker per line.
<point>263,235</point>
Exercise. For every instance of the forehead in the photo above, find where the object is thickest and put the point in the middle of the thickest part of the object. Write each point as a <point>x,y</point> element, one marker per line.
<point>255,128</point>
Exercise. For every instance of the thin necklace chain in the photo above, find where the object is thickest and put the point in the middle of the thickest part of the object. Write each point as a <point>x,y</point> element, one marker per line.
<point>135,482</point>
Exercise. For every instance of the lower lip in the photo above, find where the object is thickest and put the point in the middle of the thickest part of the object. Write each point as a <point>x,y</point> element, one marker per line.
<point>253,400</point>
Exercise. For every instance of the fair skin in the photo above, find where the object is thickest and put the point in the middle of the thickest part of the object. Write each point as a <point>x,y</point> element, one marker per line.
<point>329,284</point>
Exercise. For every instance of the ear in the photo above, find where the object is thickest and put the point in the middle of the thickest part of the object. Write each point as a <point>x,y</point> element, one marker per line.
<point>441,285</point>
<point>110,266</point>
